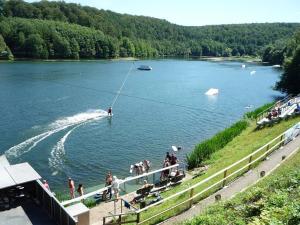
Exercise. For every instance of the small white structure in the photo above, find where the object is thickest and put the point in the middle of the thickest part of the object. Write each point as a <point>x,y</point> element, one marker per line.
<point>176,148</point>
<point>243,66</point>
<point>80,212</point>
<point>212,91</point>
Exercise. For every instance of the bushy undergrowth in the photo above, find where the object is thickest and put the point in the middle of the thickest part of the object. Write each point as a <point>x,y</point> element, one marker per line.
<point>274,200</point>
<point>205,149</point>
<point>253,114</point>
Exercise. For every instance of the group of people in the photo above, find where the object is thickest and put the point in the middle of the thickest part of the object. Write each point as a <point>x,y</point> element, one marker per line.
<point>169,160</point>
<point>71,185</point>
<point>113,184</point>
<point>141,167</point>
<point>274,113</point>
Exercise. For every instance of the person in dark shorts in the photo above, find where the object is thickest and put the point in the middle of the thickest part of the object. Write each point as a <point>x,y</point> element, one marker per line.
<point>109,111</point>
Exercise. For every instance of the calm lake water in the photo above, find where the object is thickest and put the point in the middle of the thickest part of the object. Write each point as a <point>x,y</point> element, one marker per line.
<point>51,112</point>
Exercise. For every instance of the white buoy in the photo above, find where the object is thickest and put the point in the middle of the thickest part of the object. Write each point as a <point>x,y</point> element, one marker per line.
<point>212,91</point>
<point>175,148</point>
<point>253,72</point>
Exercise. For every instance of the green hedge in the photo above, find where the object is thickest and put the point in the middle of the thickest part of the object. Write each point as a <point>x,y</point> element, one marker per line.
<point>205,149</point>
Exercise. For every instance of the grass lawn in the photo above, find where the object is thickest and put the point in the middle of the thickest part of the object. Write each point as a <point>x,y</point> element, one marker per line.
<point>247,142</point>
<point>273,200</point>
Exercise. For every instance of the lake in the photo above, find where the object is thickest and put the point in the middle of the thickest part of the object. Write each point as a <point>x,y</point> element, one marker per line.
<point>52,112</point>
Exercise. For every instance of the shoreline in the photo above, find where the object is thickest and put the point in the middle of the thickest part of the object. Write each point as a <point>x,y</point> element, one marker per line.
<point>232,58</point>
<point>248,59</point>
<point>70,60</point>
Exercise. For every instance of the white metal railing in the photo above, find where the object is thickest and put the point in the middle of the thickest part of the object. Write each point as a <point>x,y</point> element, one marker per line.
<point>204,181</point>
<point>248,160</point>
<point>265,112</point>
<point>241,165</point>
<point>126,180</point>
<point>214,175</point>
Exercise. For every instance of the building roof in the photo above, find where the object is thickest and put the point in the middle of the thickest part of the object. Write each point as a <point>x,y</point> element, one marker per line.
<point>12,175</point>
<point>77,209</point>
<point>3,161</point>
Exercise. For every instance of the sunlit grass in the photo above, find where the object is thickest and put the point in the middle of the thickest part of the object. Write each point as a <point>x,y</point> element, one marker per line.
<point>274,200</point>
<point>244,144</point>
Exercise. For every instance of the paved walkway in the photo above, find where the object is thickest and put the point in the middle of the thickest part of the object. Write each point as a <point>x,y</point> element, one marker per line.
<point>104,209</point>
<point>245,181</point>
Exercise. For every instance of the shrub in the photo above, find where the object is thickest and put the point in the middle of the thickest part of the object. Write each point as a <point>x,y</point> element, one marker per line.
<point>205,149</point>
<point>253,114</point>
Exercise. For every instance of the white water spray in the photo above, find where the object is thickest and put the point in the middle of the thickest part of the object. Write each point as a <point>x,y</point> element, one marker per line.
<point>55,127</point>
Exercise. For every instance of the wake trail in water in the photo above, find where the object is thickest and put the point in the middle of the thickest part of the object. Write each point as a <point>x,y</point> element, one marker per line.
<point>58,152</point>
<point>55,127</point>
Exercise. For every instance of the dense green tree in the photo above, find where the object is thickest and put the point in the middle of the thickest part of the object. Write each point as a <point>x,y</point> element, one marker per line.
<point>61,47</point>
<point>74,48</point>
<point>105,34</point>
<point>1,7</point>
<point>35,47</point>
<point>5,52</point>
<point>127,48</point>
<point>290,79</point>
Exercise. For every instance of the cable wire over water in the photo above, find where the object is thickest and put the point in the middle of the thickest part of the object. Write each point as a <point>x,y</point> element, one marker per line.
<point>96,90</point>
<point>124,81</point>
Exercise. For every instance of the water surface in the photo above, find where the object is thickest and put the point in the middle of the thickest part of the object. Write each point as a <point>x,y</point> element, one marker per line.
<point>52,112</point>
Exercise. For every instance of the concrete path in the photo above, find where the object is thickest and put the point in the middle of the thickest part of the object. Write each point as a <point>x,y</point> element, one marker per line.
<point>242,183</point>
<point>105,208</point>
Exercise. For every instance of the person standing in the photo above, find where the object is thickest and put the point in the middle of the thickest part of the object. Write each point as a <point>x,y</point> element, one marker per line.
<point>168,157</point>
<point>173,160</point>
<point>80,190</point>
<point>109,111</point>
<point>71,187</point>
<point>116,187</point>
<point>146,164</point>
<point>46,185</point>
<point>108,181</point>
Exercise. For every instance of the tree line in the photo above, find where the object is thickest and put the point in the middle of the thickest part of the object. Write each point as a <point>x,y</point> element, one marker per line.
<point>67,30</point>
<point>289,81</point>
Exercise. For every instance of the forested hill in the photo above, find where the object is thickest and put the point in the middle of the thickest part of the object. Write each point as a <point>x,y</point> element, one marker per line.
<point>29,30</point>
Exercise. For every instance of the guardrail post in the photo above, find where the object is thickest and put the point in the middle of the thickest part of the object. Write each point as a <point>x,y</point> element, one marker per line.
<point>138,217</point>
<point>121,205</point>
<point>266,156</point>
<point>281,138</point>
<point>225,175</point>
<point>103,220</point>
<point>250,160</point>
<point>191,195</point>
